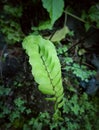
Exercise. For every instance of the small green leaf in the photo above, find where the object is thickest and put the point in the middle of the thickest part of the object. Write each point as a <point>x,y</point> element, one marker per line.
<point>51,99</point>
<point>45,25</point>
<point>60,104</point>
<point>19,102</point>
<point>87,26</point>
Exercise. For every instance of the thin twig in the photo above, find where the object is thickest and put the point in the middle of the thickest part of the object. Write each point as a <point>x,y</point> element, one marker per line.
<point>80,41</point>
<point>78,18</point>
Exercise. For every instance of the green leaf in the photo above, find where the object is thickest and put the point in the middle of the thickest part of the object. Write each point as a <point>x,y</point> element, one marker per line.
<point>19,102</point>
<point>94,12</point>
<point>87,26</point>
<point>46,67</point>
<point>60,104</point>
<point>14,11</point>
<point>51,99</point>
<point>60,34</point>
<point>54,8</point>
<point>44,25</point>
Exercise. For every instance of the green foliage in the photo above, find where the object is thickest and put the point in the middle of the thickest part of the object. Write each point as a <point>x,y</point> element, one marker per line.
<point>12,31</point>
<point>17,111</point>
<point>94,14</point>
<point>62,49</point>
<point>4,91</point>
<point>81,110</point>
<point>38,123</point>
<point>13,115</point>
<point>45,68</point>
<point>71,66</point>
<point>55,10</point>
<point>77,114</point>
<point>79,71</point>
<point>13,11</point>
<point>19,103</point>
<point>10,24</point>
<point>91,17</point>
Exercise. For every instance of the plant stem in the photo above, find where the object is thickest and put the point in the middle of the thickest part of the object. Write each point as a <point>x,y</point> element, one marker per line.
<point>76,17</point>
<point>80,19</point>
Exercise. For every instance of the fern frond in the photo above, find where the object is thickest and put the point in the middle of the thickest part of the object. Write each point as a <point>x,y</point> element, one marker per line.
<point>46,67</point>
